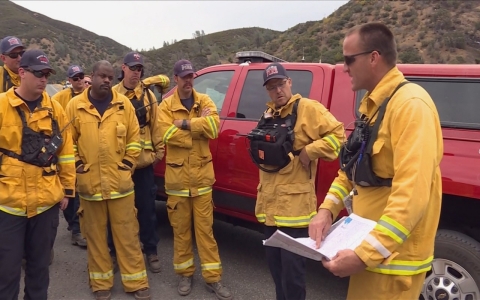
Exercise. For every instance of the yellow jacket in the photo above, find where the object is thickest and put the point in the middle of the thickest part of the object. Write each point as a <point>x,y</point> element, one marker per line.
<point>150,137</point>
<point>64,96</point>
<point>409,148</point>
<point>189,167</point>
<point>29,190</point>
<point>288,198</point>
<point>8,79</point>
<point>106,147</point>
<point>161,80</point>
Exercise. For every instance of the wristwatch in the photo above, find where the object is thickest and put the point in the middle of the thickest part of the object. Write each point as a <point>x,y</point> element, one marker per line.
<point>184,124</point>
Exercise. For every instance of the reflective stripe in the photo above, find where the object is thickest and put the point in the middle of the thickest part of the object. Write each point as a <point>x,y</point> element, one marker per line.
<point>135,276</point>
<point>66,159</point>
<point>183,265</point>
<point>146,145</point>
<point>393,229</point>
<point>133,145</point>
<point>333,198</point>
<point>213,126</point>
<point>21,212</point>
<point>101,276</point>
<point>404,267</point>
<point>336,188</point>
<point>294,221</point>
<point>186,193</point>
<point>378,246</point>
<point>168,134</point>
<point>261,218</point>
<point>334,142</point>
<point>212,266</point>
<point>99,197</point>
<point>75,148</point>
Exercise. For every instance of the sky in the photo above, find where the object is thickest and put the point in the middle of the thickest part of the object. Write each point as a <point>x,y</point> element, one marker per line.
<point>147,24</point>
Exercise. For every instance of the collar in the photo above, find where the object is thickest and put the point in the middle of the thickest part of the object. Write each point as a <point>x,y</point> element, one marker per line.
<point>137,91</point>
<point>371,101</point>
<point>14,100</point>
<point>278,111</point>
<point>177,104</point>
<point>83,101</point>
<point>14,77</point>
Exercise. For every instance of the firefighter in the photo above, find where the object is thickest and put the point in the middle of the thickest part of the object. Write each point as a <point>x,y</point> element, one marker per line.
<point>37,174</point>
<point>188,120</point>
<point>146,109</point>
<point>286,198</point>
<point>158,82</point>
<point>394,179</point>
<point>106,143</point>
<point>75,76</point>
<point>11,50</point>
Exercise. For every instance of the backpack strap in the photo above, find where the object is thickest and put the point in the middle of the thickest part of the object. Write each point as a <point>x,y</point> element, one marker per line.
<point>381,114</point>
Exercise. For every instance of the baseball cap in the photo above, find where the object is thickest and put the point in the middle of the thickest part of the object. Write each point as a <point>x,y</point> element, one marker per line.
<point>9,43</point>
<point>36,60</point>
<point>274,70</point>
<point>183,67</point>
<point>74,70</point>
<point>133,59</point>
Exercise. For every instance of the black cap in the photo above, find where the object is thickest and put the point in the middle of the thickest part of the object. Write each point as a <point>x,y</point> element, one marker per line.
<point>9,43</point>
<point>183,67</point>
<point>35,60</point>
<point>133,59</point>
<point>274,70</point>
<point>74,70</point>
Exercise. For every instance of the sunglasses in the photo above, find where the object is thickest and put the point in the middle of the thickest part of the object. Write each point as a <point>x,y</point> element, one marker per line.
<point>77,78</point>
<point>137,68</point>
<point>39,74</point>
<point>350,59</point>
<point>88,82</point>
<point>15,54</point>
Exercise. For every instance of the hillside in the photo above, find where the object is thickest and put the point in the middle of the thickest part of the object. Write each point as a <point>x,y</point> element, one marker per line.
<point>427,31</point>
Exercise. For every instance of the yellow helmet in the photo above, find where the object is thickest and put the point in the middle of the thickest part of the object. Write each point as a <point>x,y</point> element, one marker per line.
<point>159,80</point>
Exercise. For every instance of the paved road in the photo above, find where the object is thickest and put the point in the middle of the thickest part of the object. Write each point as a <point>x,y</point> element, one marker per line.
<point>243,260</point>
<point>52,89</point>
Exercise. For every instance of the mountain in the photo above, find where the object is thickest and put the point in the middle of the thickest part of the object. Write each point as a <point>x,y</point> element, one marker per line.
<point>427,31</point>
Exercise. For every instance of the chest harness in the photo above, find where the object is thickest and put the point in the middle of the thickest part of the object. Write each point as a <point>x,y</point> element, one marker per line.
<point>141,110</point>
<point>7,81</point>
<point>271,141</point>
<point>355,155</point>
<point>37,148</point>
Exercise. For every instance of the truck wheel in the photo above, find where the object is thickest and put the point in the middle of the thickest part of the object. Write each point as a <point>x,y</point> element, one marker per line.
<point>455,273</point>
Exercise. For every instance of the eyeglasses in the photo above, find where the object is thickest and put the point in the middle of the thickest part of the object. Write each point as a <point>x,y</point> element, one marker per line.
<point>39,74</point>
<point>350,59</point>
<point>274,87</point>
<point>137,68</point>
<point>77,78</point>
<point>88,82</point>
<point>15,54</point>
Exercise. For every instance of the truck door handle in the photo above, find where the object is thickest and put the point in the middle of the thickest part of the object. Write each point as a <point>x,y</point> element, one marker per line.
<point>240,134</point>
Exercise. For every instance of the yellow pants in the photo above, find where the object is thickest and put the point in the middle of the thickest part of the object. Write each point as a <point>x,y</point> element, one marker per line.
<point>122,216</point>
<point>180,213</point>
<point>374,286</point>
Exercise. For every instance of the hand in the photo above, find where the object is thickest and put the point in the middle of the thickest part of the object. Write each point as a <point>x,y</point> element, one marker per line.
<point>320,225</point>
<point>80,169</point>
<point>205,112</point>
<point>304,159</point>
<point>178,123</point>
<point>64,203</point>
<point>345,263</point>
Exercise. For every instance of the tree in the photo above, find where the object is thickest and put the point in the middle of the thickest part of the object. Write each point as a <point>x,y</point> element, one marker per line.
<point>199,36</point>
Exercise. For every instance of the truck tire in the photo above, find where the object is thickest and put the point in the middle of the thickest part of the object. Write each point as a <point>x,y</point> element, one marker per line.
<point>455,273</point>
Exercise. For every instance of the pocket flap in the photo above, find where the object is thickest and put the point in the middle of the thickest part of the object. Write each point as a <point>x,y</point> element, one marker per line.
<point>294,188</point>
<point>11,171</point>
<point>377,146</point>
<point>206,160</point>
<point>174,162</point>
<point>121,130</point>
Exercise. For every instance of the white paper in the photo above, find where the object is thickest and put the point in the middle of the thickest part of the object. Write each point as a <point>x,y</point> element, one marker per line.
<point>347,233</point>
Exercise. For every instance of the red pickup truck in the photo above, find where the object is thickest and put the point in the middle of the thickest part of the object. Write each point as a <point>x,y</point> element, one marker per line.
<point>240,98</point>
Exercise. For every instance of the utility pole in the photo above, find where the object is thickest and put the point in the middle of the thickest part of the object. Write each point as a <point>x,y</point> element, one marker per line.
<point>303,54</point>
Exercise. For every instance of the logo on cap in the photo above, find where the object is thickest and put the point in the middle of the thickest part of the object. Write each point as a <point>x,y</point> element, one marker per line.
<point>75,69</point>
<point>43,59</point>
<point>137,56</point>
<point>13,41</point>
<point>271,70</point>
<point>187,67</point>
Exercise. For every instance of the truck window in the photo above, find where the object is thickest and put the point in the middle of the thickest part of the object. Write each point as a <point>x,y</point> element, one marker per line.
<point>215,85</point>
<point>457,100</point>
<point>254,96</point>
